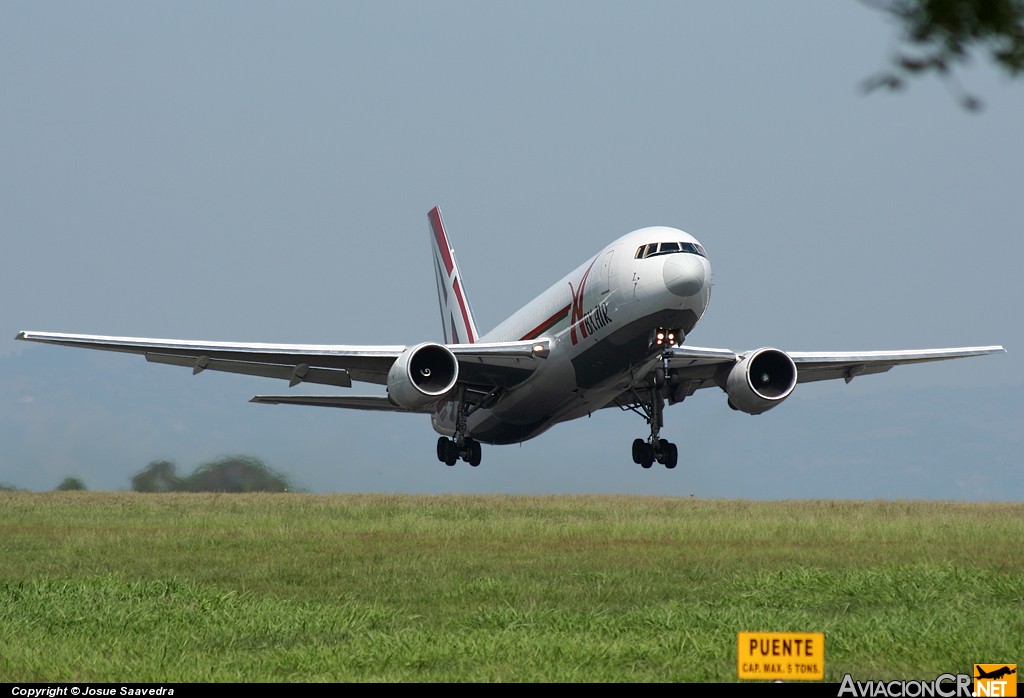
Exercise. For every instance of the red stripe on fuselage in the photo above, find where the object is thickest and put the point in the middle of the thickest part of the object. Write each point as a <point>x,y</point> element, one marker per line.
<point>442,240</point>
<point>551,321</point>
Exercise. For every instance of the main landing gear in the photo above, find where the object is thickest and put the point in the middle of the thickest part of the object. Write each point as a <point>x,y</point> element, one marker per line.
<point>460,446</point>
<point>665,452</point>
<point>449,451</point>
<point>650,404</point>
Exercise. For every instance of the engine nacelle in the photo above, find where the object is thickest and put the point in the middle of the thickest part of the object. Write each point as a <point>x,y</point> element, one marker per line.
<point>422,374</point>
<point>762,380</point>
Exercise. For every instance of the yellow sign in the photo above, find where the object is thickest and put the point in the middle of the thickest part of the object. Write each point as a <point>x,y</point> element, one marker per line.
<point>995,680</point>
<point>783,656</point>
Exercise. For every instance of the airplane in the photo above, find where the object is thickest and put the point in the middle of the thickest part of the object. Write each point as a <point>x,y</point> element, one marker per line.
<point>996,673</point>
<point>610,334</point>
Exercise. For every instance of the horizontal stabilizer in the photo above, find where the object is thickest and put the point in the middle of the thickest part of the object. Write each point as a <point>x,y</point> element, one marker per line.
<point>352,402</point>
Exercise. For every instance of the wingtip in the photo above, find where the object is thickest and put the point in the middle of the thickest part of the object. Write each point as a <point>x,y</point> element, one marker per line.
<point>21,335</point>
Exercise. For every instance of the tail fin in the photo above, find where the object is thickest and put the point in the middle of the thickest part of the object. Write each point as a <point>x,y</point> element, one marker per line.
<point>456,315</point>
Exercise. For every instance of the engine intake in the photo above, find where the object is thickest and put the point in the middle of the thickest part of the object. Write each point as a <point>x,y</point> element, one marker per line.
<point>762,380</point>
<point>421,375</point>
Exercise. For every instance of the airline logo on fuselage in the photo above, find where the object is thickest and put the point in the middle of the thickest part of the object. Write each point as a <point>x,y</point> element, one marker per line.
<point>594,320</point>
<point>590,322</point>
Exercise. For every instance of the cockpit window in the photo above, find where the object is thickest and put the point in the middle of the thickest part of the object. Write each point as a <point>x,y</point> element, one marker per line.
<point>659,248</point>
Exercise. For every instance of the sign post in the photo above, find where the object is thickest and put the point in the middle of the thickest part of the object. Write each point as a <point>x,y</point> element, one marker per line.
<point>781,656</point>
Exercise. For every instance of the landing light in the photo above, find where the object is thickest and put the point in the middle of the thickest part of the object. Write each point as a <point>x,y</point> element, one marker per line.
<point>662,337</point>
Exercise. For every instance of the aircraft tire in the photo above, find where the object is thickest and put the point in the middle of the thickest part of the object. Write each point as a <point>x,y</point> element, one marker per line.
<point>474,452</point>
<point>451,452</point>
<point>662,451</point>
<point>647,458</point>
<point>442,448</point>
<point>638,450</point>
<point>671,455</point>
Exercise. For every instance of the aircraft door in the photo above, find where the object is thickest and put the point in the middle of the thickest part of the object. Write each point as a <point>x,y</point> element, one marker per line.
<point>606,274</point>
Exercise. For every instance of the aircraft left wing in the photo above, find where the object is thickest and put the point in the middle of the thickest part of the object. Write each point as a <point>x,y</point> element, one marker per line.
<point>483,365</point>
<point>696,367</point>
<point>816,366</point>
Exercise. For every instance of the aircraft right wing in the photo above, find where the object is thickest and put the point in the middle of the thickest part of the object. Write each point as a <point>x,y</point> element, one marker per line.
<point>336,365</point>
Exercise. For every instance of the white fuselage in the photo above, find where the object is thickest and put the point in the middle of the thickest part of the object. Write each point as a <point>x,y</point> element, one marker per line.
<point>600,320</point>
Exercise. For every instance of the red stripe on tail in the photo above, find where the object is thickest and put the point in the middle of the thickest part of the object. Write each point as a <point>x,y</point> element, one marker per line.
<point>439,236</point>
<point>465,312</point>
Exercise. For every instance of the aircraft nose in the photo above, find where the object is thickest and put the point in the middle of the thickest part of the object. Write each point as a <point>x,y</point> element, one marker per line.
<point>685,274</point>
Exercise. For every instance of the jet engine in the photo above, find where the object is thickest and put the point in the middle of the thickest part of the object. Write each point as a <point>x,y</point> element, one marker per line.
<point>422,374</point>
<point>762,380</point>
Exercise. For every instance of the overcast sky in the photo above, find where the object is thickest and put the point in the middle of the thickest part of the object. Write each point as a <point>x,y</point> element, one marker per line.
<point>262,172</point>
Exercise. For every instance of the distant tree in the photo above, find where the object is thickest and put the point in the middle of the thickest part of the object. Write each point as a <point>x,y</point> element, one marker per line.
<point>939,35</point>
<point>70,484</point>
<point>4,487</point>
<point>227,474</point>
<point>158,476</point>
<point>235,474</point>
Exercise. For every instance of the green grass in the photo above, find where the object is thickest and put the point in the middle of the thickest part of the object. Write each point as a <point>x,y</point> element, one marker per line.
<point>296,587</point>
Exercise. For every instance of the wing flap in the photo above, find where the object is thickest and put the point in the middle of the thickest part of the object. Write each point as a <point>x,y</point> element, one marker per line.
<point>299,373</point>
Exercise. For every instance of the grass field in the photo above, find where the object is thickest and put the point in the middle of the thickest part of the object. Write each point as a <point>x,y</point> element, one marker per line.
<point>128,587</point>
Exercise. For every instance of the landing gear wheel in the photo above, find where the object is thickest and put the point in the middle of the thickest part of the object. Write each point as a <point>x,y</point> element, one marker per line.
<point>451,452</point>
<point>660,449</point>
<point>442,448</point>
<point>671,456</point>
<point>473,452</point>
<point>647,457</point>
<point>638,450</point>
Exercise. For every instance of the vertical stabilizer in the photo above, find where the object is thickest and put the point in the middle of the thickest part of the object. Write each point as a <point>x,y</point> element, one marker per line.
<point>456,315</point>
